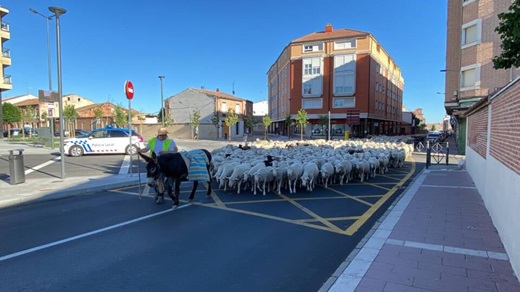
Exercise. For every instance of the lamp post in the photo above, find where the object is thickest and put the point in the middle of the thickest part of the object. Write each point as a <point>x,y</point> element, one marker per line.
<point>162,100</point>
<point>58,11</point>
<point>48,19</point>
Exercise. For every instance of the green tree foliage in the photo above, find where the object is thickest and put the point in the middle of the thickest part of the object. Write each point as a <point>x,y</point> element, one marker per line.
<point>120,117</point>
<point>266,120</point>
<point>230,120</point>
<point>323,121</point>
<point>70,115</point>
<point>98,113</point>
<point>301,119</point>
<point>509,30</point>
<point>250,123</point>
<point>29,115</point>
<point>288,121</point>
<point>11,114</point>
<point>195,122</point>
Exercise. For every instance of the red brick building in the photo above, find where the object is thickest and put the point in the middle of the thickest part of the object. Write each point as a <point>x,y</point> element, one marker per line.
<point>345,74</point>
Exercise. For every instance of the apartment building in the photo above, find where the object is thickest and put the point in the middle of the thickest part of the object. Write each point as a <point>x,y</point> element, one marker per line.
<point>470,47</point>
<point>213,107</point>
<point>343,74</point>
<point>5,59</point>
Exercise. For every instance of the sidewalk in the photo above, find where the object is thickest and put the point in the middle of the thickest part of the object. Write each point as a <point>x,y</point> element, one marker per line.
<point>437,237</point>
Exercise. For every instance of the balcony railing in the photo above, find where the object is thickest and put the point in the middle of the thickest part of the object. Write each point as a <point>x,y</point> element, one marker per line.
<point>6,53</point>
<point>7,79</point>
<point>5,26</point>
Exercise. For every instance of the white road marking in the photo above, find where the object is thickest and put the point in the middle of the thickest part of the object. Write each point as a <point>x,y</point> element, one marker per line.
<point>33,169</point>
<point>125,165</point>
<point>37,248</point>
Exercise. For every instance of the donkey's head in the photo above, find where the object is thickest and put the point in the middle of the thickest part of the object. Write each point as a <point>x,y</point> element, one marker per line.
<point>152,170</point>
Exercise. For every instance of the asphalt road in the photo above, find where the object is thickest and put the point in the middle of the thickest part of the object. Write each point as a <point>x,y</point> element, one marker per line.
<point>114,241</point>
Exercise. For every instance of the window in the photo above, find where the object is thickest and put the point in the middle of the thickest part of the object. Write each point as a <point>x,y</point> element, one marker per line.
<point>471,33</point>
<point>312,47</point>
<point>312,66</point>
<point>312,103</point>
<point>470,77</point>
<point>237,108</point>
<point>224,107</point>
<point>117,134</point>
<point>343,102</point>
<point>344,44</point>
<point>344,74</point>
<point>312,79</point>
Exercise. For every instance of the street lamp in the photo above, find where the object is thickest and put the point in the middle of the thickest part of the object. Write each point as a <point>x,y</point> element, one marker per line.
<point>162,100</point>
<point>48,18</point>
<point>58,11</point>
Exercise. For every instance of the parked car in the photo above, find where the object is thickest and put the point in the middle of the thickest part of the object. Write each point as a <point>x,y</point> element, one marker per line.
<point>104,141</point>
<point>80,133</point>
<point>433,137</point>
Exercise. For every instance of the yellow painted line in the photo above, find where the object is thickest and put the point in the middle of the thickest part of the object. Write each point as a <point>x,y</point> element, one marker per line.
<point>332,219</point>
<point>355,227</point>
<point>319,227</point>
<point>253,202</point>
<point>386,176</point>
<point>369,196</point>
<point>351,197</point>
<point>217,200</point>
<point>312,214</point>
<point>376,186</point>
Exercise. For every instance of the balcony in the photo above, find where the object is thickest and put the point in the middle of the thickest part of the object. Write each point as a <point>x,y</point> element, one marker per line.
<point>5,32</point>
<point>7,84</point>
<point>5,59</point>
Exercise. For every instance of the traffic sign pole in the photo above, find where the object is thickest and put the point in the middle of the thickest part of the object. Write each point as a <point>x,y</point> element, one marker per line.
<point>129,92</point>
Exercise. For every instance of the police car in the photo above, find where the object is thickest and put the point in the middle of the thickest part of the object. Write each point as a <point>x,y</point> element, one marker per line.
<point>103,141</point>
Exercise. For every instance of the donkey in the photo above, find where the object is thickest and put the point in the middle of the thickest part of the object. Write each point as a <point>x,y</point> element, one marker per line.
<point>176,167</point>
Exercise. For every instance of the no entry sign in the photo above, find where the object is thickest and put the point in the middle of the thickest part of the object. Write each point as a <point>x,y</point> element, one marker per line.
<point>129,89</point>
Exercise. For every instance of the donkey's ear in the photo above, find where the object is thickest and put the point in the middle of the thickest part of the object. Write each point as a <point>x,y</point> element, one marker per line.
<point>154,156</point>
<point>146,158</point>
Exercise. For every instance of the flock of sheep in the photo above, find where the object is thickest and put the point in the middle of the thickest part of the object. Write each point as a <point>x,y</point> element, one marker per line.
<point>270,165</point>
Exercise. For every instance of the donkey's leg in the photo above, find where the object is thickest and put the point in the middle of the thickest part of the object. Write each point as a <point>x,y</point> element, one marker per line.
<point>193,190</point>
<point>175,197</point>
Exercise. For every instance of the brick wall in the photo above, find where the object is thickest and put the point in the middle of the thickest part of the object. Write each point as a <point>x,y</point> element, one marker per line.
<point>477,131</point>
<point>505,127</point>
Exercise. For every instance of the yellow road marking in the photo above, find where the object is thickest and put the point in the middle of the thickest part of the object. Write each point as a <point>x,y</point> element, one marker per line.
<point>355,227</point>
<point>310,213</point>
<point>332,219</point>
<point>335,229</point>
<point>376,186</point>
<point>352,197</point>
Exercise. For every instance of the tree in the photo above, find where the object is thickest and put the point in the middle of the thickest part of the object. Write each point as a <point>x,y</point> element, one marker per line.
<point>120,117</point>
<point>98,113</point>
<point>288,121</point>
<point>11,114</point>
<point>434,127</point>
<point>29,114</point>
<point>195,122</point>
<point>301,119</point>
<point>230,120</point>
<point>215,121</point>
<point>509,30</point>
<point>250,123</point>
<point>323,121</point>
<point>266,120</point>
<point>70,115</point>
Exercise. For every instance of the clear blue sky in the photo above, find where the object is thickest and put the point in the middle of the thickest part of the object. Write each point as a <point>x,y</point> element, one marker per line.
<point>215,44</point>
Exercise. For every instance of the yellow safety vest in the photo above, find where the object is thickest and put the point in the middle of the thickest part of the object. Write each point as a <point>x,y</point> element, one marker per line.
<point>165,146</point>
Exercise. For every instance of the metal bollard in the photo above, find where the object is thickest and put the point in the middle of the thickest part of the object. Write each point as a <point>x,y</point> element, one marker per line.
<point>16,167</point>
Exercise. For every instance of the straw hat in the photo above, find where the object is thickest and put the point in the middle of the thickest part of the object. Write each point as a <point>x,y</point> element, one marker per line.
<point>162,131</point>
